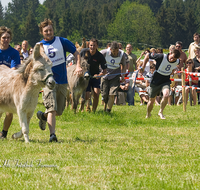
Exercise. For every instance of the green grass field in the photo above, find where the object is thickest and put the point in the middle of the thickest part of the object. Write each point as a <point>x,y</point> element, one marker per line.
<point>121,150</point>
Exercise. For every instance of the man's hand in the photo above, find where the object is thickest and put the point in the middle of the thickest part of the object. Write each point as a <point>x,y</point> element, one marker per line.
<point>197,68</point>
<point>122,79</point>
<point>79,71</point>
<point>126,86</point>
<point>97,76</point>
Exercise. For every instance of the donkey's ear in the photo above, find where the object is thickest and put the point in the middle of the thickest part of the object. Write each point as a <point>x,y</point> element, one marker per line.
<point>42,53</point>
<point>36,51</point>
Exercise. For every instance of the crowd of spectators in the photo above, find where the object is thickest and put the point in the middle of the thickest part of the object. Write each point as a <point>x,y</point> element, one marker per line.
<point>190,63</point>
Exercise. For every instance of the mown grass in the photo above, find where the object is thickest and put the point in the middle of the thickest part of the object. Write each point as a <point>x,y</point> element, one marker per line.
<point>121,150</point>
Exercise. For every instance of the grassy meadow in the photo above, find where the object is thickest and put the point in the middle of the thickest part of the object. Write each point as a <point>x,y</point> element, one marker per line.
<point>120,150</point>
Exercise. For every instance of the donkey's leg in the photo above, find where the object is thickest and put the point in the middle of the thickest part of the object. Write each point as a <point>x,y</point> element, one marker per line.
<point>72,95</point>
<point>18,134</point>
<point>24,125</point>
<point>82,101</point>
<point>76,101</point>
<point>82,105</point>
<point>29,116</point>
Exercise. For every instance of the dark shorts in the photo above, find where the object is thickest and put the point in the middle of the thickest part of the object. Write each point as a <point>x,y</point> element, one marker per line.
<point>93,83</point>
<point>154,90</point>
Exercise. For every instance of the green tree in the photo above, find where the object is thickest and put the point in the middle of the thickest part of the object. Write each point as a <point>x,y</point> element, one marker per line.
<point>196,13</point>
<point>51,6</point>
<point>1,14</point>
<point>77,21</point>
<point>153,4</point>
<point>76,36</point>
<point>65,24</point>
<point>177,21</point>
<point>31,30</point>
<point>136,23</point>
<point>90,24</point>
<point>33,6</point>
<point>105,19</point>
<point>192,26</point>
<point>40,13</point>
<point>163,23</point>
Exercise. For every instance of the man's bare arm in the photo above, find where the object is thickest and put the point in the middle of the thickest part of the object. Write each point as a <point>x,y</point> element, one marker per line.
<point>146,59</point>
<point>78,63</point>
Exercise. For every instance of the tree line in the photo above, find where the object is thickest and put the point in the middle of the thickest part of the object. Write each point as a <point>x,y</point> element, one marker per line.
<point>143,23</point>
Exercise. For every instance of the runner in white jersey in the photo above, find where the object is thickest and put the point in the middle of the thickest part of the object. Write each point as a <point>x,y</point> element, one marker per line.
<point>165,64</point>
<point>54,100</point>
<point>116,64</point>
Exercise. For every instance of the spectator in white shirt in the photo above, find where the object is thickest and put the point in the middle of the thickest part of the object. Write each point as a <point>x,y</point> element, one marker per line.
<point>24,50</point>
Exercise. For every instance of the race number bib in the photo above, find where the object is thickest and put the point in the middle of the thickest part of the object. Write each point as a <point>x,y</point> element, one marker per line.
<point>55,52</point>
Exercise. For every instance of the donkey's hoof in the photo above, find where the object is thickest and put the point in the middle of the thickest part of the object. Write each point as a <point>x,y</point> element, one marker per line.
<point>26,138</point>
<point>17,135</point>
<point>14,136</point>
<point>27,141</point>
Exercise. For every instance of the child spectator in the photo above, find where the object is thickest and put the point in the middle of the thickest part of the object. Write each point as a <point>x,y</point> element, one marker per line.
<point>140,85</point>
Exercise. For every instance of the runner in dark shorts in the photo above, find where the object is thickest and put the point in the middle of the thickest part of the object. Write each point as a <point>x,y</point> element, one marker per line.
<point>160,82</point>
<point>95,59</point>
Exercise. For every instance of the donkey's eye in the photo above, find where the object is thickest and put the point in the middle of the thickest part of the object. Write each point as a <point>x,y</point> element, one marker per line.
<point>40,69</point>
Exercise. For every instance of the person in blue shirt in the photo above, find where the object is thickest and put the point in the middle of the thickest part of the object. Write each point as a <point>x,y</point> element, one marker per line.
<point>9,57</point>
<point>54,100</point>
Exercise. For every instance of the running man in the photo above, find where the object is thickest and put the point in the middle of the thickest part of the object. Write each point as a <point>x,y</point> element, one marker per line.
<point>95,59</point>
<point>54,100</point>
<point>165,64</point>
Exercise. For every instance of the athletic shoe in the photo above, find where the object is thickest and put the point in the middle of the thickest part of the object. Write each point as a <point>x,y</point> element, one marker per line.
<point>2,136</point>
<point>42,122</point>
<point>53,138</point>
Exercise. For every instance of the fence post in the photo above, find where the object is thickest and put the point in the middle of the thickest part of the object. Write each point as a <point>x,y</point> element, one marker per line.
<point>190,84</point>
<point>183,89</point>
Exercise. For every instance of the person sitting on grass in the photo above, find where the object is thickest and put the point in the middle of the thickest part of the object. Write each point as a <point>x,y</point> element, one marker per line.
<point>125,92</point>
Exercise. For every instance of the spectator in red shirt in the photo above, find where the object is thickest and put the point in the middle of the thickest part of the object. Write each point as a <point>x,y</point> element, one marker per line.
<point>190,68</point>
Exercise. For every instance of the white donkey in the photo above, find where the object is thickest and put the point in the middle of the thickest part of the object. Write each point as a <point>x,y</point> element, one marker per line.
<point>19,88</point>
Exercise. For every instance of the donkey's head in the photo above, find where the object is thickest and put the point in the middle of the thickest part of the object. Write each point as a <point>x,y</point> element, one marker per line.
<point>42,72</point>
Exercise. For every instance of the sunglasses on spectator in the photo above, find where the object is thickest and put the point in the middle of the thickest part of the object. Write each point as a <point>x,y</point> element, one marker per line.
<point>189,62</point>
<point>178,46</point>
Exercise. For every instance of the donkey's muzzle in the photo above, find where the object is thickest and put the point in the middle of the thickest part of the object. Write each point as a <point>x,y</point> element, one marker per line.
<point>87,75</point>
<point>50,82</point>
